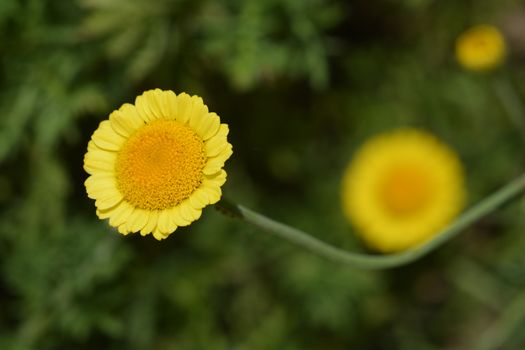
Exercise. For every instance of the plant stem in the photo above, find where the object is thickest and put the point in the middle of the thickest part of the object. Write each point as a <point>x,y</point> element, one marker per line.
<point>368,261</point>
<point>511,103</point>
<point>509,322</point>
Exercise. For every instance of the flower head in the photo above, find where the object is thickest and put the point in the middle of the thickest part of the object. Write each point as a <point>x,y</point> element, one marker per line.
<point>402,188</point>
<point>481,48</point>
<point>156,164</point>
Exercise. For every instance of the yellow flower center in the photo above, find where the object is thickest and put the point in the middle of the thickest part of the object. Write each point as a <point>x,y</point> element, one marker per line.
<point>405,190</point>
<point>160,165</point>
<point>481,45</point>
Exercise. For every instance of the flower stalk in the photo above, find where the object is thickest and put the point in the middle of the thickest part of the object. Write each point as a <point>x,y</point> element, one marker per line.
<point>511,102</point>
<point>369,261</point>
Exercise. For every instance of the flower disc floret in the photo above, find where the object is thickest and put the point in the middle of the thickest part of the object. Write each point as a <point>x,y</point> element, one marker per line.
<point>160,165</point>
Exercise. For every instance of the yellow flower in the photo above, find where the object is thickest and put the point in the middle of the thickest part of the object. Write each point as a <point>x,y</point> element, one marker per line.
<point>402,188</point>
<point>156,164</point>
<point>481,48</point>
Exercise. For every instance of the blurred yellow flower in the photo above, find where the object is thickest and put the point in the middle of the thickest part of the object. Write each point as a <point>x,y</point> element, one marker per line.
<point>401,188</point>
<point>481,48</point>
<point>156,164</point>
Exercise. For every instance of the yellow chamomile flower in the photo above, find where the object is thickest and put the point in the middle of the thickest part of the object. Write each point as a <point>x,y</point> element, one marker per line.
<point>156,164</point>
<point>481,48</point>
<point>402,188</point>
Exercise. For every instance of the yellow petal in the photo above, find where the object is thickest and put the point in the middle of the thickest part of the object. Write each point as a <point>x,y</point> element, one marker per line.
<point>215,164</point>
<point>104,214</point>
<point>217,143</point>
<point>168,102</point>
<point>122,229</point>
<point>147,107</point>
<point>98,185</point>
<point>131,113</point>
<point>176,217</point>
<point>199,199</point>
<point>222,131</point>
<point>203,194</point>
<point>109,201</point>
<point>159,235</point>
<point>153,217</point>
<point>120,214</point>
<point>215,146</point>
<point>183,108</point>
<point>93,167</point>
<point>218,179</point>
<point>98,160</point>
<point>137,220</point>
<point>125,121</point>
<point>91,146</point>
<point>106,138</point>
<point>165,224</point>
<point>210,126</point>
<point>156,98</point>
<point>188,212</point>
<point>102,155</point>
<point>199,115</point>
<point>213,192</point>
<point>225,154</point>
<point>99,192</point>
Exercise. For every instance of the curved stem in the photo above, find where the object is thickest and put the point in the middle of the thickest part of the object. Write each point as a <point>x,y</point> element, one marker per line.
<point>368,261</point>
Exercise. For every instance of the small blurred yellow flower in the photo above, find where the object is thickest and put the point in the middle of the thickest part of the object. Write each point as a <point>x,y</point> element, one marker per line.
<point>481,48</point>
<point>156,164</point>
<point>402,188</point>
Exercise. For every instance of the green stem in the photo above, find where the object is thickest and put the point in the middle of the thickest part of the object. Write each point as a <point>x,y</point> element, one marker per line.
<point>477,282</point>
<point>509,322</point>
<point>367,261</point>
<point>511,102</point>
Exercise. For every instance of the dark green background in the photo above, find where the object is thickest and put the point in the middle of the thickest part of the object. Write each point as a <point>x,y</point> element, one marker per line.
<point>301,84</point>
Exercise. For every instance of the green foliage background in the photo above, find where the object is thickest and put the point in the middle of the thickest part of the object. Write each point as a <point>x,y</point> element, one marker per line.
<point>301,83</point>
